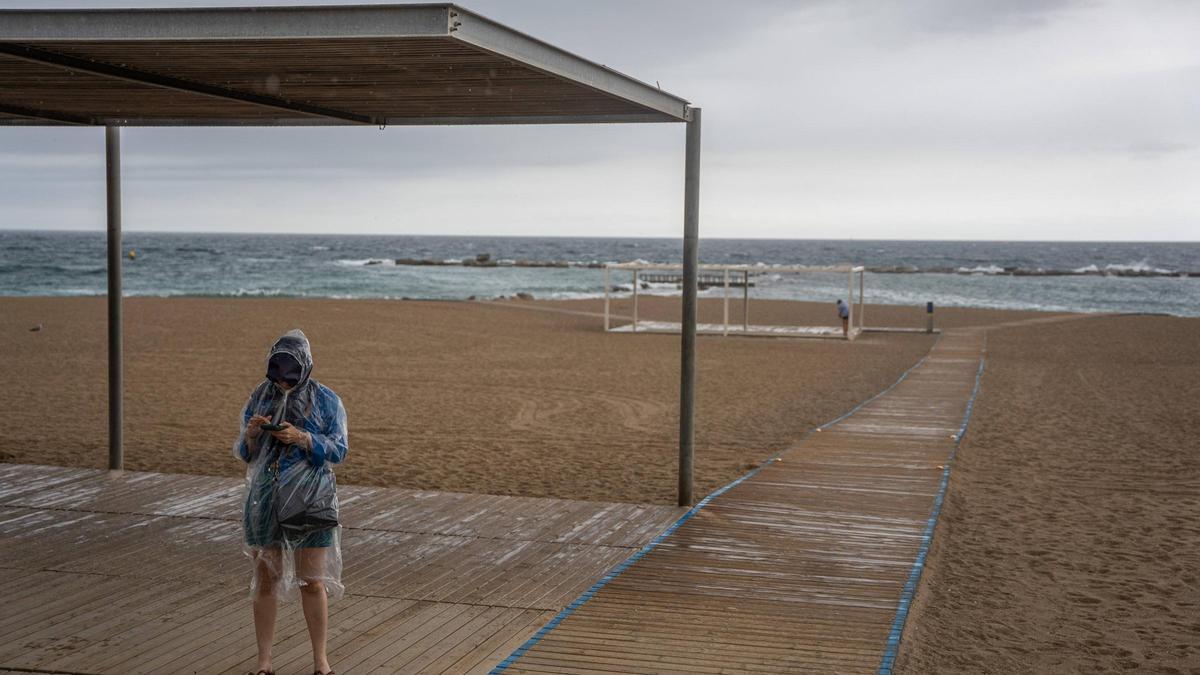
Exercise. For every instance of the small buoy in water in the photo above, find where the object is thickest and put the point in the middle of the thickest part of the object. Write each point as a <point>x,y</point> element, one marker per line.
<point>132,254</point>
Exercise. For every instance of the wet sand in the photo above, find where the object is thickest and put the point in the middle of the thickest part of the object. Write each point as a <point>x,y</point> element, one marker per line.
<point>1070,536</point>
<point>528,399</point>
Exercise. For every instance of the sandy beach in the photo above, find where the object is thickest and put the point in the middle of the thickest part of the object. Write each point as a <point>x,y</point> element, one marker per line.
<point>509,398</point>
<point>1067,542</point>
<point>1069,539</point>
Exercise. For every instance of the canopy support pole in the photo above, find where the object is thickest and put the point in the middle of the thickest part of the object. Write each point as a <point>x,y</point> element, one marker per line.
<point>691,254</point>
<point>112,155</point>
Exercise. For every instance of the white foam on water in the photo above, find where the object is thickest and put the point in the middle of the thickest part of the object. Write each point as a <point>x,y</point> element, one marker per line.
<point>981,269</point>
<point>1140,266</point>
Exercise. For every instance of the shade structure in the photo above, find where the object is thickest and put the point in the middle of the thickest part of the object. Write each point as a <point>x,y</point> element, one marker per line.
<point>313,66</point>
<point>377,64</point>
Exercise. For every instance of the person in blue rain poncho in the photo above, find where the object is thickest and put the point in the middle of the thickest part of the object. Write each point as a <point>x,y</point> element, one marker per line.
<point>310,439</point>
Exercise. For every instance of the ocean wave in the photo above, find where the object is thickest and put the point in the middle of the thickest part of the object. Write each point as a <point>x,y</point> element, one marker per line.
<point>1136,269</point>
<point>81,292</point>
<point>573,295</point>
<point>16,268</point>
<point>1140,268</point>
<point>258,293</point>
<point>1110,270</point>
<point>237,293</point>
<point>981,269</point>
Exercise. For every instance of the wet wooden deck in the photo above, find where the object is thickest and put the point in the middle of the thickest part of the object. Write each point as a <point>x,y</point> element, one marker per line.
<point>142,572</point>
<point>800,567</point>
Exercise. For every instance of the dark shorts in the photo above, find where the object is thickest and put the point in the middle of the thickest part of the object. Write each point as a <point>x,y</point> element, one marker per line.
<point>260,527</point>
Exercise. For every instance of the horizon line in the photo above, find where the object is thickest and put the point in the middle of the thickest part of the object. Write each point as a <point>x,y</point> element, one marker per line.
<point>102,230</point>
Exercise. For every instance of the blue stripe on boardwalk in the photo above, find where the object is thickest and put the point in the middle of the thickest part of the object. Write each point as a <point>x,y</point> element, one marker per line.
<point>587,595</point>
<point>890,387</point>
<point>914,576</point>
<point>616,571</point>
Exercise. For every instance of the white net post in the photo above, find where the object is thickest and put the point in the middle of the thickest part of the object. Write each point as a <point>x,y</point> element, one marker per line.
<point>862,294</point>
<point>725,321</point>
<point>746,301</point>
<point>635,299</point>
<point>607,286</point>
<point>850,304</point>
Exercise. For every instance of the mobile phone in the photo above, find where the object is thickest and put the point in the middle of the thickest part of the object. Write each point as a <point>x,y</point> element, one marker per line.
<point>271,427</point>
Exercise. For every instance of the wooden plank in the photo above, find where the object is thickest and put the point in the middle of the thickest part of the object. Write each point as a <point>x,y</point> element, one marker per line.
<point>142,572</point>
<point>375,612</point>
<point>474,640</point>
<point>513,635</point>
<point>151,631</point>
<point>798,567</point>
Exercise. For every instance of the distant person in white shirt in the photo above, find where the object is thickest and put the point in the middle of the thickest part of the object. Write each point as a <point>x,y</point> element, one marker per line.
<point>844,314</point>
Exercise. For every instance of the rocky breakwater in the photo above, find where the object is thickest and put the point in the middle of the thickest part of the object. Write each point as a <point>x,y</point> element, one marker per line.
<point>486,260</point>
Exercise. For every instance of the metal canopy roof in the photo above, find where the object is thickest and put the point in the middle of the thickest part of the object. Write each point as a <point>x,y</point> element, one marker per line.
<point>328,65</point>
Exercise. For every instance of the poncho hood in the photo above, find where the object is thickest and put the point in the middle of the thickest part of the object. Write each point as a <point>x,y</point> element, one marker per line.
<point>295,344</point>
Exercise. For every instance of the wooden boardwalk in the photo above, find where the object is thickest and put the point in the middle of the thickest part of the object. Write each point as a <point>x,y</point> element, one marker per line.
<point>802,565</point>
<point>142,572</point>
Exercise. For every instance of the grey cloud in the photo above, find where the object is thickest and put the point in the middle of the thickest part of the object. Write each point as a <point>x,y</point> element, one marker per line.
<point>914,103</point>
<point>1153,149</point>
<point>214,154</point>
<point>985,16</point>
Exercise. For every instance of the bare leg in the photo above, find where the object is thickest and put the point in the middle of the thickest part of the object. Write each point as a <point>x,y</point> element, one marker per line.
<point>310,563</point>
<point>266,571</point>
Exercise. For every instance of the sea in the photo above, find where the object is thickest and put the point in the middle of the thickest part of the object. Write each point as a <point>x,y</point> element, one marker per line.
<point>1155,278</point>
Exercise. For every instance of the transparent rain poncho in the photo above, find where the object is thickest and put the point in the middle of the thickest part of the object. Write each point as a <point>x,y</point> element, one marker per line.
<point>289,521</point>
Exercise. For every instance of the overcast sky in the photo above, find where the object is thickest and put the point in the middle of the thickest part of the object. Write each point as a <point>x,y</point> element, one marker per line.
<point>924,119</point>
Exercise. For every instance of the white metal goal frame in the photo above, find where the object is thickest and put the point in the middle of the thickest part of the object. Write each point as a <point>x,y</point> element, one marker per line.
<point>724,275</point>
